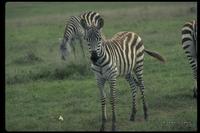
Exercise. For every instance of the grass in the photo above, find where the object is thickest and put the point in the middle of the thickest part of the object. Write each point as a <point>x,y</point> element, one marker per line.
<point>40,87</point>
<point>39,106</point>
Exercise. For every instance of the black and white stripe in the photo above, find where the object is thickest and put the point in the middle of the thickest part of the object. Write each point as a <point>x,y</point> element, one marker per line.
<point>122,55</point>
<point>73,31</point>
<point>189,44</point>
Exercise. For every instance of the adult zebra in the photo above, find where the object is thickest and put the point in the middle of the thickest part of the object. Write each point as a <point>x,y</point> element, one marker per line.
<point>73,30</point>
<point>122,55</point>
<point>189,45</point>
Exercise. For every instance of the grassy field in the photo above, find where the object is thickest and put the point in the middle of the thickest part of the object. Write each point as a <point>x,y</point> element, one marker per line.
<point>40,87</point>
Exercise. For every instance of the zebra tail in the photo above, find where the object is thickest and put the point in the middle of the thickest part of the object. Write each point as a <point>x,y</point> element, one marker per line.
<point>155,55</point>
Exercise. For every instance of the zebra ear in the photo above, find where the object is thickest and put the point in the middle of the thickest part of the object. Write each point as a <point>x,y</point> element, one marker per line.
<point>83,23</point>
<point>101,23</point>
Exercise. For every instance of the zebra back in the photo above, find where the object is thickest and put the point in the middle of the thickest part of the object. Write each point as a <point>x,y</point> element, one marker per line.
<point>73,28</point>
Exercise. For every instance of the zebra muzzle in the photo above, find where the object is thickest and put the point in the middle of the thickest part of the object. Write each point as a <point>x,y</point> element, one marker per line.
<point>94,56</point>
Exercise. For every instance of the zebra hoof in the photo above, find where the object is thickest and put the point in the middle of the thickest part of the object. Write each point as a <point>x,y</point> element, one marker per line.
<point>146,118</point>
<point>101,129</point>
<point>114,129</point>
<point>195,93</point>
<point>132,118</point>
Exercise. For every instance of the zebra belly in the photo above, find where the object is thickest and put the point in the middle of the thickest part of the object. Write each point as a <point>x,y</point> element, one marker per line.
<point>126,68</point>
<point>191,48</point>
<point>124,73</point>
<point>104,72</point>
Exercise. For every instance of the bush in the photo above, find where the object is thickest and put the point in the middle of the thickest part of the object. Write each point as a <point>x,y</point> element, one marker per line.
<point>28,58</point>
<point>50,72</point>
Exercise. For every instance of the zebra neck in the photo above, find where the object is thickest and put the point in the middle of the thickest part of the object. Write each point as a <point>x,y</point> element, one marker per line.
<point>68,36</point>
<point>73,30</point>
<point>103,36</point>
<point>102,51</point>
<point>102,55</point>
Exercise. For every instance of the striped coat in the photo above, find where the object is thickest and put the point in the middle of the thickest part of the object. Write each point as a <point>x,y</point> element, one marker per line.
<point>122,55</point>
<point>74,31</point>
<point>189,45</point>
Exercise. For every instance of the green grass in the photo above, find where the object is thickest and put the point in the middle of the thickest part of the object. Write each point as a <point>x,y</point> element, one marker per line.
<point>40,87</point>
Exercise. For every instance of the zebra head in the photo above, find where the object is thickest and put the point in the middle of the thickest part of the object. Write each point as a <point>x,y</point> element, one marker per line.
<point>93,37</point>
<point>64,48</point>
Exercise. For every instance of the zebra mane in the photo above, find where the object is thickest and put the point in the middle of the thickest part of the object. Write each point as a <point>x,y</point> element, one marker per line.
<point>103,36</point>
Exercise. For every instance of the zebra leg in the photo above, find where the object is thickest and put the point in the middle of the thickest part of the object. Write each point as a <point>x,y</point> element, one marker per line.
<point>195,90</point>
<point>193,64</point>
<point>101,83</point>
<point>195,82</point>
<point>73,47</point>
<point>112,83</point>
<point>82,48</point>
<point>139,74</point>
<point>191,53</point>
<point>132,84</point>
<point>141,85</point>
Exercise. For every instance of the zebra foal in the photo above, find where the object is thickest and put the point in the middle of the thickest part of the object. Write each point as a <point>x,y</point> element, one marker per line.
<point>74,30</point>
<point>122,55</point>
<point>189,45</point>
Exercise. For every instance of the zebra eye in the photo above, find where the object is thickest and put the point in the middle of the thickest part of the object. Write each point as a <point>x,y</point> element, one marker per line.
<point>88,44</point>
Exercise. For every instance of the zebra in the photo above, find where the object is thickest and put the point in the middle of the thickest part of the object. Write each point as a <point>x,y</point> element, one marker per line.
<point>73,30</point>
<point>122,55</point>
<point>189,45</point>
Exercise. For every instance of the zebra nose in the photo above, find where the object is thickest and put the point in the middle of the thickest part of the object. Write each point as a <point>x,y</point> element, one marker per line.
<point>94,56</point>
<point>94,53</point>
